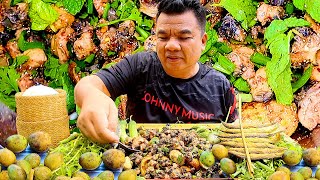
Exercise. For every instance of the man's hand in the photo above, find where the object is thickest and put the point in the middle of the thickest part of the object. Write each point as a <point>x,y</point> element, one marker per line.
<point>98,119</point>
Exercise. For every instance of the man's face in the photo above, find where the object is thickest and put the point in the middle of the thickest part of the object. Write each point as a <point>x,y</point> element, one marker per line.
<point>179,44</point>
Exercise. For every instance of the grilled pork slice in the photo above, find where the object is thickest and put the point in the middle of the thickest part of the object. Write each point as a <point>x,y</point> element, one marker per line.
<point>150,43</point>
<point>64,20</point>
<point>99,5</point>
<point>230,28</point>
<point>267,13</point>
<point>264,113</point>
<point>149,7</point>
<point>13,49</point>
<point>259,88</point>
<point>215,12</point>
<point>240,56</point>
<point>84,46</point>
<point>305,48</point>
<point>59,44</point>
<point>4,60</point>
<point>37,58</point>
<point>309,108</point>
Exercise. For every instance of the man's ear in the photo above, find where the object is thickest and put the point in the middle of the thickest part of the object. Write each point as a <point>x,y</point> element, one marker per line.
<point>204,41</point>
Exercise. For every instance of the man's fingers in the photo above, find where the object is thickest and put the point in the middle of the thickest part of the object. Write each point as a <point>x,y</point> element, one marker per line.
<point>113,119</point>
<point>103,132</point>
<point>87,130</point>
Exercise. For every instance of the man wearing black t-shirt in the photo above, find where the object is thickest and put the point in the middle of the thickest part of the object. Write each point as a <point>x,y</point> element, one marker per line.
<point>163,86</point>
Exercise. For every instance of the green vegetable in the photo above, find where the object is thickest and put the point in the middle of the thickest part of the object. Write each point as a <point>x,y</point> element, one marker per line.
<point>123,132</point>
<point>59,78</point>
<point>259,58</point>
<point>142,32</point>
<point>311,6</point>
<point>278,27</point>
<point>134,16</point>
<point>262,169</point>
<point>212,38</point>
<point>8,86</point>
<point>41,15</point>
<point>302,80</point>
<point>20,60</point>
<point>106,11</point>
<point>218,67</point>
<point>279,68</point>
<point>212,51</point>
<point>154,140</point>
<point>25,45</point>
<point>223,47</point>
<point>73,6</point>
<point>132,126</point>
<point>289,8</point>
<point>245,97</point>
<point>90,6</point>
<point>243,11</point>
<point>204,58</point>
<point>72,148</point>
<point>242,85</point>
<point>226,64</point>
<point>89,59</point>
<point>15,2</point>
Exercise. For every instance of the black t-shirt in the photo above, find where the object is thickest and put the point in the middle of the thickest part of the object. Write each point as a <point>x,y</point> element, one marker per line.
<point>155,97</point>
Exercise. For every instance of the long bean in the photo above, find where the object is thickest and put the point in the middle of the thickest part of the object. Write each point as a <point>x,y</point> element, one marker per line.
<point>257,156</point>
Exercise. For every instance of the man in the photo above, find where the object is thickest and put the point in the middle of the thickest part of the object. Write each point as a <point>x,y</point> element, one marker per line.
<point>163,86</point>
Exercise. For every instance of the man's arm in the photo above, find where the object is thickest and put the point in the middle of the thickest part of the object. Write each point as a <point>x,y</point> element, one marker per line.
<point>99,116</point>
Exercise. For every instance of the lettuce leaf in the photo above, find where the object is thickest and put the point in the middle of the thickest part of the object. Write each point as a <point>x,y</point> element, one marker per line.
<point>243,11</point>
<point>279,68</point>
<point>281,26</point>
<point>73,6</point>
<point>311,6</point>
<point>41,15</point>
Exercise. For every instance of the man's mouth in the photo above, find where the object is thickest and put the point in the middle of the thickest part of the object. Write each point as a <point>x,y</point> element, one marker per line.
<point>173,58</point>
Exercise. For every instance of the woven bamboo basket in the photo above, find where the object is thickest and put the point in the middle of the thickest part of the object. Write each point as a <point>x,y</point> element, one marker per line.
<point>43,113</point>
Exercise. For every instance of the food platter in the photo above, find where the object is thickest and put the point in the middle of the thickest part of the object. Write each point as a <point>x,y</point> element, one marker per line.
<point>102,167</point>
<point>46,50</point>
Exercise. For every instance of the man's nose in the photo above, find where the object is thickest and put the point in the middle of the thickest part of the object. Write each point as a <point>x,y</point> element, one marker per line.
<point>173,45</point>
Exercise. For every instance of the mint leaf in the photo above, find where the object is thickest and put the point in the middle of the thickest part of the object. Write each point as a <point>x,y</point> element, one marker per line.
<point>243,11</point>
<point>279,69</point>
<point>41,15</point>
<point>299,4</point>
<point>281,26</point>
<point>73,6</point>
<point>313,7</point>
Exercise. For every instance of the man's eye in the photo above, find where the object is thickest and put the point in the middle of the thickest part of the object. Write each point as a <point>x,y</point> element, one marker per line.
<point>185,38</point>
<point>162,38</point>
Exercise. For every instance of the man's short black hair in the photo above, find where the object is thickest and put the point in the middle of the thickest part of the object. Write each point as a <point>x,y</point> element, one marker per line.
<point>181,6</point>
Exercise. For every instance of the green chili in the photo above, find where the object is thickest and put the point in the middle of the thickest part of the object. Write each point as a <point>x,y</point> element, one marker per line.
<point>90,6</point>
<point>105,11</point>
<point>260,59</point>
<point>302,80</point>
<point>142,32</point>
